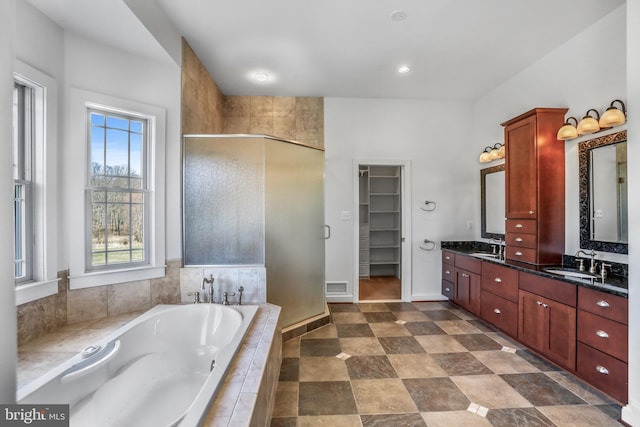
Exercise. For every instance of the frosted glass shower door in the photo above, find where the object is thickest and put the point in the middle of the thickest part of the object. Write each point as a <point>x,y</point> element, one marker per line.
<point>223,201</point>
<point>294,255</point>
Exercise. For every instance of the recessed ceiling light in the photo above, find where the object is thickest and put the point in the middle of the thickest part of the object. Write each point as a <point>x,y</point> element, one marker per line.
<point>404,69</point>
<point>398,15</point>
<point>261,77</point>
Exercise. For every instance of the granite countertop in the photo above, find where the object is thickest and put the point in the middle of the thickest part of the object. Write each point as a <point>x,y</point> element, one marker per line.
<point>615,283</point>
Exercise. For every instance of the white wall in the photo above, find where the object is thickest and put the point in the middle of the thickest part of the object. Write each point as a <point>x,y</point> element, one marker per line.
<point>434,136</point>
<point>579,75</point>
<point>8,340</point>
<point>631,413</point>
<point>102,69</point>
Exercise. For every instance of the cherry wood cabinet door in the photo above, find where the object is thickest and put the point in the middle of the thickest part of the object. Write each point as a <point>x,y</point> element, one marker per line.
<point>531,320</point>
<point>560,344</point>
<point>468,287</point>
<point>521,178</point>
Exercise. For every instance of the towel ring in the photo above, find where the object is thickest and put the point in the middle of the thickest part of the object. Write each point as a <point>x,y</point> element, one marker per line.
<point>428,206</point>
<point>428,245</point>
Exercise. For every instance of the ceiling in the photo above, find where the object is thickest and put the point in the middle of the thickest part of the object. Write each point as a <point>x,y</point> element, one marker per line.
<point>457,49</point>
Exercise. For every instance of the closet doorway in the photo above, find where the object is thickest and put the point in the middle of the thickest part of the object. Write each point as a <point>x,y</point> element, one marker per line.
<point>381,255</point>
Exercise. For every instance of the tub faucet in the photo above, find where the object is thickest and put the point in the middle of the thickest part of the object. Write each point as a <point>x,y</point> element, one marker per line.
<point>225,297</point>
<point>210,289</point>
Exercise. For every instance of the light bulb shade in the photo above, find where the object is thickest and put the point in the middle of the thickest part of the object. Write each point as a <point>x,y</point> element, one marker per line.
<point>613,116</point>
<point>568,130</point>
<point>494,155</point>
<point>485,156</point>
<point>502,152</point>
<point>589,124</point>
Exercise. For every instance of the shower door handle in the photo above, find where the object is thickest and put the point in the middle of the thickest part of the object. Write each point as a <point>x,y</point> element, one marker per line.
<point>327,235</point>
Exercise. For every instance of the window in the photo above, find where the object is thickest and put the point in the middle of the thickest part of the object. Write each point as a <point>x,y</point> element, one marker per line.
<point>116,192</point>
<point>23,145</point>
<point>35,170</point>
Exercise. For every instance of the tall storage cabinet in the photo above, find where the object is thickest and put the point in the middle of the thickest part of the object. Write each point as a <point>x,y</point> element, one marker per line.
<point>535,187</point>
<point>380,221</point>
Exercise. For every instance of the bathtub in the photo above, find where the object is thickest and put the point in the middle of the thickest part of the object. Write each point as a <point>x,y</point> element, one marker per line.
<point>163,368</point>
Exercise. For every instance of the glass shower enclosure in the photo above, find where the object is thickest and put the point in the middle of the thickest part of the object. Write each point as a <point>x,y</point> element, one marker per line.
<point>255,200</point>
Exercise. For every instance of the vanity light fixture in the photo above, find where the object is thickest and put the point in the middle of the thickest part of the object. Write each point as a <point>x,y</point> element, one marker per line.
<point>568,130</point>
<point>589,124</point>
<point>613,116</point>
<point>492,153</point>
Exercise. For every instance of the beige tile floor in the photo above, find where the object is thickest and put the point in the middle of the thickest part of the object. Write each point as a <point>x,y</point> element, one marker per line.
<point>425,364</point>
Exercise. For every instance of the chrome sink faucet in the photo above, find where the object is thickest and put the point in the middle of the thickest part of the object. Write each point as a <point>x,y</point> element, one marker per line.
<point>500,243</point>
<point>592,254</point>
<point>210,288</point>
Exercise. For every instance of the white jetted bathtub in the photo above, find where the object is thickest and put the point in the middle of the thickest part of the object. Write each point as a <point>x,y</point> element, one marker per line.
<point>161,369</point>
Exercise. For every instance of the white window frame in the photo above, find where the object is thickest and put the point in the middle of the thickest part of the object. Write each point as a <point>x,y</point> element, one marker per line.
<point>76,178</point>
<point>44,280</point>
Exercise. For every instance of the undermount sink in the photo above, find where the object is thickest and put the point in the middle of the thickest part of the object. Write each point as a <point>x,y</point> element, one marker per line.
<point>484,255</point>
<point>571,273</point>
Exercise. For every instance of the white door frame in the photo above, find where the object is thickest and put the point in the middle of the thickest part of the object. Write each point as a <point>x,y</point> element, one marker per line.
<point>405,246</point>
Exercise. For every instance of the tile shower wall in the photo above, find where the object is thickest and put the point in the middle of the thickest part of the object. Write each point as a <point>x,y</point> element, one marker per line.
<point>39,317</point>
<point>226,279</point>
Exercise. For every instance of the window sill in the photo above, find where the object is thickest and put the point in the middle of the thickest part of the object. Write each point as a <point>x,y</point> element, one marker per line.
<point>112,277</point>
<point>35,290</point>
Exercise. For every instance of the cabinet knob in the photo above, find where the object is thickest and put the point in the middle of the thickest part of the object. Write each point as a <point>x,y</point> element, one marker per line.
<point>602,303</point>
<point>447,257</point>
<point>519,226</point>
<point>602,334</point>
<point>531,212</point>
<point>545,305</point>
<point>497,311</point>
<point>518,253</point>
<point>498,280</point>
<point>519,239</point>
<point>447,272</point>
<point>602,370</point>
<point>465,275</point>
<point>447,290</point>
<point>539,302</point>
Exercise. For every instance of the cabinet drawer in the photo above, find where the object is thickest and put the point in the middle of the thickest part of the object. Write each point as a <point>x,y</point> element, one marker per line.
<point>526,226</point>
<point>448,273</point>
<point>603,334</point>
<point>447,257</point>
<point>521,240</point>
<point>499,312</point>
<point>448,289</point>
<point>552,289</point>
<point>502,281</point>
<point>521,254</point>
<point>603,304</point>
<point>603,371</point>
<point>473,265</point>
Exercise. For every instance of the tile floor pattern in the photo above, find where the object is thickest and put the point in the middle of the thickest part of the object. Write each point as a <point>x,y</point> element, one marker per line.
<point>425,364</point>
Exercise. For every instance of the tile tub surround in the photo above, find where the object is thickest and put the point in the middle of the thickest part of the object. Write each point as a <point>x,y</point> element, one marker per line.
<point>425,364</point>
<point>46,315</point>
<point>226,279</point>
<point>247,395</point>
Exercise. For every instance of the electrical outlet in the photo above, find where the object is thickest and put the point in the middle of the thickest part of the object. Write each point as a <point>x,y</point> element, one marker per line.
<point>345,215</point>
<point>469,225</point>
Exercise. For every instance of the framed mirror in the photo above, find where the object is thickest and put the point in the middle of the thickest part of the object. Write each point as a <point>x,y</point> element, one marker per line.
<point>492,194</point>
<point>603,193</point>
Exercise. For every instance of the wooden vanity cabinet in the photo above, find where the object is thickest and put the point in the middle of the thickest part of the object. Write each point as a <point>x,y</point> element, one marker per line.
<point>467,281</point>
<point>448,275</point>
<point>603,341</point>
<point>547,318</point>
<point>499,297</point>
<point>535,186</point>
